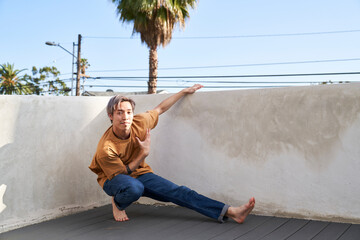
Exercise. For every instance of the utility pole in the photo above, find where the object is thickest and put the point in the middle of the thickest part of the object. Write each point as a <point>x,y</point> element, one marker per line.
<point>72,70</point>
<point>78,67</point>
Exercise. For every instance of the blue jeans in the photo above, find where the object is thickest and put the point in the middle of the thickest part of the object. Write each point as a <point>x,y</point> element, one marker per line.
<point>126,190</point>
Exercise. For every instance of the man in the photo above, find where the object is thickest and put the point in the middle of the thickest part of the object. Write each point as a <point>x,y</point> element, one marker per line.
<point>122,172</point>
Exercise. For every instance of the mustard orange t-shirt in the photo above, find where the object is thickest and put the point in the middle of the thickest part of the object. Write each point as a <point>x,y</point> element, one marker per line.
<point>113,154</point>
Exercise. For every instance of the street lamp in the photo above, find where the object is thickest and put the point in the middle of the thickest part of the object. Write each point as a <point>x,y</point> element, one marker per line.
<point>77,63</point>
<point>58,45</point>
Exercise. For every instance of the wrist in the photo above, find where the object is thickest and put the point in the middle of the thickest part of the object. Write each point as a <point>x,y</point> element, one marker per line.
<point>144,153</point>
<point>183,92</point>
<point>129,171</point>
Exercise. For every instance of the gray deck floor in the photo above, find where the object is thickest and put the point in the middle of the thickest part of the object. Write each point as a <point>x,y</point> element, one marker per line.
<point>167,222</point>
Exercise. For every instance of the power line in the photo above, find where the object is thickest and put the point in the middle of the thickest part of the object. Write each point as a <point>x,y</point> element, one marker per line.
<point>242,36</point>
<point>226,82</point>
<point>274,35</point>
<point>134,86</point>
<point>236,36</point>
<point>238,76</point>
<point>234,65</point>
<point>254,85</point>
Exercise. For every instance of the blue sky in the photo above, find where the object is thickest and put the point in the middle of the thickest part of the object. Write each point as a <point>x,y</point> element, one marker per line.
<point>218,35</point>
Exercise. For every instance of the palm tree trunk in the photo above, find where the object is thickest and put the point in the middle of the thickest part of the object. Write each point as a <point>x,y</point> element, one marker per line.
<point>153,66</point>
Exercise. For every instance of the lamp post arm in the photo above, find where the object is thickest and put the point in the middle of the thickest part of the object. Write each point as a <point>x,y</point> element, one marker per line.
<point>67,51</point>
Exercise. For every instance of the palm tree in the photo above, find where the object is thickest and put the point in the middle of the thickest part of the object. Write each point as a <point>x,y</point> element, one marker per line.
<point>155,21</point>
<point>11,82</point>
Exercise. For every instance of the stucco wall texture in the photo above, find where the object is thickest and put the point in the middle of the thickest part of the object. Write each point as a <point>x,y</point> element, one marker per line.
<point>296,150</point>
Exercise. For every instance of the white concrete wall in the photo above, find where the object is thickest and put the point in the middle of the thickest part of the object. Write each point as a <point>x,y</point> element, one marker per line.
<point>46,144</point>
<point>295,149</point>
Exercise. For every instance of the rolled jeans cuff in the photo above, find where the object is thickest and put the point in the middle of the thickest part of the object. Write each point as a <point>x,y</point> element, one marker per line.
<point>222,218</point>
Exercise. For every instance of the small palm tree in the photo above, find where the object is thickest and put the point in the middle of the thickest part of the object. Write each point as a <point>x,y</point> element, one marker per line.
<point>155,21</point>
<point>84,64</point>
<point>11,82</point>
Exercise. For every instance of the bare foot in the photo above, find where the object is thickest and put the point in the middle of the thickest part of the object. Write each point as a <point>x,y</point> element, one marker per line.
<point>119,215</point>
<point>239,214</point>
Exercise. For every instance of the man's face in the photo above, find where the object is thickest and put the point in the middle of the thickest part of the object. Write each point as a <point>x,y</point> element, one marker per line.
<point>123,116</point>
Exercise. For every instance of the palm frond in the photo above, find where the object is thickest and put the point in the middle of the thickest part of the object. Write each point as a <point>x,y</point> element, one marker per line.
<point>154,19</point>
